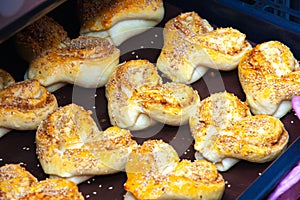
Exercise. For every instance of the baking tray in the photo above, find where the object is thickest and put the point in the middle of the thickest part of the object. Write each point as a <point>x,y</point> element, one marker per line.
<point>19,146</point>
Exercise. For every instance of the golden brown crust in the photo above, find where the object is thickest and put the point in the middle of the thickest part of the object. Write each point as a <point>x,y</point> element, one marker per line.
<point>115,18</point>
<point>5,79</point>
<point>17,183</point>
<point>137,98</point>
<point>224,130</point>
<point>191,45</point>
<point>85,61</point>
<point>83,149</point>
<point>269,75</point>
<point>155,172</point>
<point>24,105</point>
<point>40,36</point>
<point>53,189</point>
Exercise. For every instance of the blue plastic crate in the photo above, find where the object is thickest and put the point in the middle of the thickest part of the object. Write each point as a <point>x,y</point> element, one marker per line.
<point>285,13</point>
<point>287,9</point>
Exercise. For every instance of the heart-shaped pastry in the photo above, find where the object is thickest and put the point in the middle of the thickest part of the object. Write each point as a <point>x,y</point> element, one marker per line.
<point>225,132</point>
<point>23,105</point>
<point>70,145</point>
<point>154,171</point>
<point>137,98</point>
<point>18,183</point>
<point>40,36</point>
<point>84,61</point>
<point>192,46</point>
<point>270,77</point>
<point>119,20</point>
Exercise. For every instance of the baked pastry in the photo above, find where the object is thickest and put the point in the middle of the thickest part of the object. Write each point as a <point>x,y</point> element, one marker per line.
<point>269,75</point>
<point>70,145</point>
<point>119,20</point>
<point>154,171</point>
<point>5,79</point>
<point>192,45</point>
<point>24,105</point>
<point>137,98</point>
<point>85,61</point>
<point>40,36</point>
<point>18,183</point>
<point>225,132</point>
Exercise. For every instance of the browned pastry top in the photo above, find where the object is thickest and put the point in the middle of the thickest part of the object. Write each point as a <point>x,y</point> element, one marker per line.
<point>18,183</point>
<point>42,35</point>
<point>24,104</point>
<point>101,15</point>
<point>269,75</point>
<point>154,171</point>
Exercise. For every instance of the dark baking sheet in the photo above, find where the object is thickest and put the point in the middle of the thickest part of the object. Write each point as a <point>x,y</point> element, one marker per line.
<point>19,146</point>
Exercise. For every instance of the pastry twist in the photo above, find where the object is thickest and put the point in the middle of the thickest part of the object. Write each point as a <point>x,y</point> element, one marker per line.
<point>24,105</point>
<point>225,132</point>
<point>270,77</point>
<point>85,61</point>
<point>70,145</point>
<point>155,172</point>
<point>137,98</point>
<point>17,183</point>
<point>192,46</point>
<point>119,20</point>
<point>40,36</point>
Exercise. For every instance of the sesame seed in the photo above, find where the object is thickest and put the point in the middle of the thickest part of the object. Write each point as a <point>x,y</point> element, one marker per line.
<point>110,188</point>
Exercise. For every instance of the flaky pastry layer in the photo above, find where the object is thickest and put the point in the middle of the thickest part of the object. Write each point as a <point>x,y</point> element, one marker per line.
<point>18,183</point>
<point>23,105</point>
<point>137,98</point>
<point>192,46</point>
<point>85,61</point>
<point>40,36</point>
<point>154,171</point>
<point>119,20</point>
<point>270,77</point>
<point>69,144</point>
<point>225,132</point>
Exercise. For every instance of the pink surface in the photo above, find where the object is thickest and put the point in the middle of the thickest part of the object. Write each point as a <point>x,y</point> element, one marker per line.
<point>296,105</point>
<point>289,187</point>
